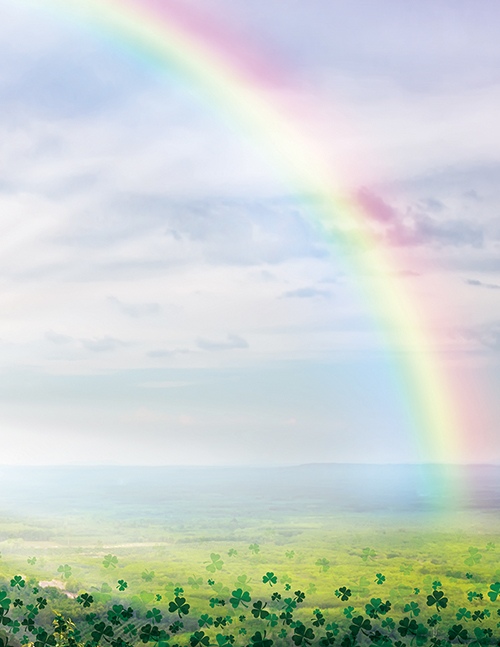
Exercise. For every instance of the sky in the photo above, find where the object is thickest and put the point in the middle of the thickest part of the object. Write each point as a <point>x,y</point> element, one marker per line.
<point>167,295</point>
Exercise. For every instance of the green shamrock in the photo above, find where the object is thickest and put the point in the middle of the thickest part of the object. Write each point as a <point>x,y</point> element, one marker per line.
<point>65,571</point>
<point>269,578</point>
<point>311,589</point>
<point>323,564</point>
<point>343,593</point>
<point>259,611</point>
<point>302,635</point>
<point>101,630</point>
<point>474,556</point>
<point>85,599</point>
<point>180,605</point>
<point>147,576</point>
<point>463,614</point>
<point>406,569</point>
<point>254,548</point>
<point>43,639</point>
<point>495,590</point>
<point>195,582</point>
<point>18,582</point>
<point>348,612</point>
<point>379,578</point>
<point>240,597</point>
<point>457,631</point>
<point>232,552</point>
<point>199,639</point>
<point>32,560</point>
<point>260,640</point>
<point>290,554</point>
<point>413,609</point>
<point>110,560</point>
<point>368,553</point>
<point>122,585</point>
<point>438,599</point>
<point>155,615</point>
<point>215,563</point>
<point>490,546</point>
<point>243,581</point>
<point>360,624</point>
<point>205,621</point>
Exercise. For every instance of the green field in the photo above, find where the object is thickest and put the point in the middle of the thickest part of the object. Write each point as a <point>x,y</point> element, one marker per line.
<point>403,560</point>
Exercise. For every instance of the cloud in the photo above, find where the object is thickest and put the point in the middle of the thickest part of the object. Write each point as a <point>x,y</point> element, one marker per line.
<point>487,335</point>
<point>475,282</point>
<point>56,338</point>
<point>103,344</point>
<point>233,341</point>
<point>417,228</point>
<point>306,293</point>
<point>135,310</point>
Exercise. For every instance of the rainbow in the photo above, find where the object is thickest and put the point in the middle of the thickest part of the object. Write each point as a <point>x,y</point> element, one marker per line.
<point>231,78</point>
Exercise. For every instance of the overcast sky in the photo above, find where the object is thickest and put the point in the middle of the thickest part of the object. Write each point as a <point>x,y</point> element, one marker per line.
<point>166,297</point>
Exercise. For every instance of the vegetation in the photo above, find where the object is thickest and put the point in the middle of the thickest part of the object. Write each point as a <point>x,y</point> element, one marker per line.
<point>301,582</point>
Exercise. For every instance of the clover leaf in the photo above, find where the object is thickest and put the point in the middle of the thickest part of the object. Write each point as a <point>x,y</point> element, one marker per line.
<point>438,599</point>
<point>180,605</point>
<point>215,563</point>
<point>122,585</point>
<point>65,571</point>
<point>240,597</point>
<point>368,553</point>
<point>110,560</point>
<point>269,578</point>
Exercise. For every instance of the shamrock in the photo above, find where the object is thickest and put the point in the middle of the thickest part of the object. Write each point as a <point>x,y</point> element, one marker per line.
<point>438,599</point>
<point>199,639</point>
<point>205,621</point>
<point>348,612</point>
<point>379,578</point>
<point>216,602</point>
<point>18,602</point>
<point>368,553</point>
<point>255,548</point>
<point>259,611</point>
<point>4,600</point>
<point>482,637</point>
<point>299,596</point>
<point>122,585</point>
<point>323,564</point>
<point>102,630</point>
<point>409,627</point>
<point>152,633</point>
<point>406,569</point>
<point>110,560</point>
<point>319,618</point>
<point>436,585</point>
<point>195,582</point>
<point>416,591</point>
<point>130,629</point>
<point>147,576</point>
<point>327,640</point>
<point>18,582</point>
<point>215,563</point>
<point>311,589</point>
<point>495,590</point>
<point>65,571</point>
<point>155,615</point>
<point>232,552</point>
<point>302,635</point>
<point>433,620</point>
<point>158,597</point>
<point>31,560</point>
<point>240,597</point>
<point>220,622</point>
<point>259,640</point>
<point>473,557</point>
<point>180,605</point>
<point>389,623</point>
<point>290,554</point>
<point>490,546</point>
<point>463,614</point>
<point>457,631</point>
<point>275,596</point>
<point>270,578</point>
<point>86,599</point>
<point>224,641</point>
<point>343,593</point>
<point>469,576</point>
<point>360,624</point>
<point>282,633</point>
<point>287,617</point>
<point>44,640</point>
<point>413,609</point>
